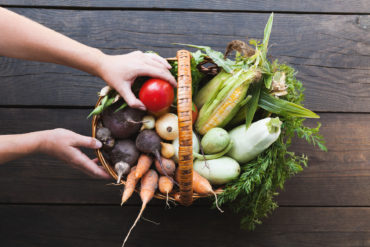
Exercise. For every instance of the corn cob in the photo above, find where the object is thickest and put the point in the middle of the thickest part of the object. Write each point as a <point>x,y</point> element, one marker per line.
<point>204,94</point>
<point>226,101</point>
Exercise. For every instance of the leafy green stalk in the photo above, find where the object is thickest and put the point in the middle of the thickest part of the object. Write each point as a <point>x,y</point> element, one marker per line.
<point>252,105</point>
<point>123,106</point>
<point>283,107</point>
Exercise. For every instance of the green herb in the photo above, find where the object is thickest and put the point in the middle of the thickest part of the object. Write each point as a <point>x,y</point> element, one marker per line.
<point>216,56</point>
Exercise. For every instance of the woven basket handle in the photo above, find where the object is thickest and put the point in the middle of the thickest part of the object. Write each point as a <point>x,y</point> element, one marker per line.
<point>184,111</point>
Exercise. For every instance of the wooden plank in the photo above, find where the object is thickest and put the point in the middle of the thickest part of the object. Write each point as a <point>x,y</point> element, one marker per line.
<point>330,51</point>
<point>339,177</point>
<point>331,6</point>
<point>180,226</point>
<point>346,162</point>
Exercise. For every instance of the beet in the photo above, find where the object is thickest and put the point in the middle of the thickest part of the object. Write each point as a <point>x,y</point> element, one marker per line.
<point>148,141</point>
<point>126,151</point>
<point>123,123</point>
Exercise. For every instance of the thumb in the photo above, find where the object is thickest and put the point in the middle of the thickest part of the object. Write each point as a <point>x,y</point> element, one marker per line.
<point>86,141</point>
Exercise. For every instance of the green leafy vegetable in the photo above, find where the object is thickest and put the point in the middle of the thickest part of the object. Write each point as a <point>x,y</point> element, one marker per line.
<point>107,101</point>
<point>284,107</point>
<point>216,56</point>
<point>252,105</point>
<point>121,107</point>
<point>252,195</point>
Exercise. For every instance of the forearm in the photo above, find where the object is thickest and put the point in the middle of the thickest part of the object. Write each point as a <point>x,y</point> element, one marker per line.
<point>16,146</point>
<point>23,38</point>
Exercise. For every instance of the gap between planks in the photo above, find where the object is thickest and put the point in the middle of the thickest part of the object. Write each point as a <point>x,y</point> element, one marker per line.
<point>178,10</point>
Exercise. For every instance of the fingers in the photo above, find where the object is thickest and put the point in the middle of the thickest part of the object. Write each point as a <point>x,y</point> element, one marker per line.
<point>155,72</point>
<point>156,67</point>
<point>125,91</point>
<point>159,59</point>
<point>82,162</point>
<point>86,141</point>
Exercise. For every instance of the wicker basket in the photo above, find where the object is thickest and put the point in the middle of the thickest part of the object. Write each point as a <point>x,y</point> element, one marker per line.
<point>184,111</point>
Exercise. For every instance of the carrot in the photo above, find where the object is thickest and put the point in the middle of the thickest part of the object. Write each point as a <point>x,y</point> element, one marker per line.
<point>201,186</point>
<point>130,185</point>
<point>149,184</point>
<point>165,186</point>
<point>143,165</point>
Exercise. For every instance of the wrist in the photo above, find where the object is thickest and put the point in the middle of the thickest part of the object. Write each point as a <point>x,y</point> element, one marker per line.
<point>100,61</point>
<point>42,140</point>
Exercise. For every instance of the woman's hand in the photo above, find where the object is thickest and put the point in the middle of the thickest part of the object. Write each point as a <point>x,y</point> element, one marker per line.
<point>120,72</point>
<point>64,144</point>
<point>26,39</point>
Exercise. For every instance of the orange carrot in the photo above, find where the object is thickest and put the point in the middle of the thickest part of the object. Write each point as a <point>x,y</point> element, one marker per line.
<point>201,185</point>
<point>130,185</point>
<point>143,165</point>
<point>149,184</point>
<point>165,186</point>
<point>169,167</point>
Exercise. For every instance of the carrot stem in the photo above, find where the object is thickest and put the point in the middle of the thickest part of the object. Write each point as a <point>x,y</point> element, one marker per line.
<point>151,221</point>
<point>132,227</point>
<point>216,202</point>
<point>167,204</point>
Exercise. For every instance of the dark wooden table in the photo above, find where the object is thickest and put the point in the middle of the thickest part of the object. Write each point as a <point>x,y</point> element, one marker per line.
<point>44,202</point>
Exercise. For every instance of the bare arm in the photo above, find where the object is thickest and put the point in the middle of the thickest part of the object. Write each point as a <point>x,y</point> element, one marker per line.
<point>60,143</point>
<point>23,38</point>
<point>16,146</point>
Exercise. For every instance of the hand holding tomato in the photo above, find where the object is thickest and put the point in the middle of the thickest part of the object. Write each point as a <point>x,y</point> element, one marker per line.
<point>120,72</point>
<point>156,94</point>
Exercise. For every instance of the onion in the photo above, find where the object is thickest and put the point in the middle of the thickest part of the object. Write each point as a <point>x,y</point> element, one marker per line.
<point>148,122</point>
<point>167,150</point>
<point>167,127</point>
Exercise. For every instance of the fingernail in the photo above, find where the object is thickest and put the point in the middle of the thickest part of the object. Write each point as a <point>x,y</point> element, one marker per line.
<point>98,144</point>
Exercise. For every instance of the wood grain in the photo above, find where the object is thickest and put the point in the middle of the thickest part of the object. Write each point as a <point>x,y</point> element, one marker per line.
<point>329,51</point>
<point>340,177</point>
<point>106,225</point>
<point>331,6</point>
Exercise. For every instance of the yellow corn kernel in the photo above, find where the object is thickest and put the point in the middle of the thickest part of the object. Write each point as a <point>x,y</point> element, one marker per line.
<point>223,110</point>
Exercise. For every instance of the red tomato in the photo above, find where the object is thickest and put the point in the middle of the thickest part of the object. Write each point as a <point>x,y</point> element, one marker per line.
<point>194,113</point>
<point>156,94</point>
